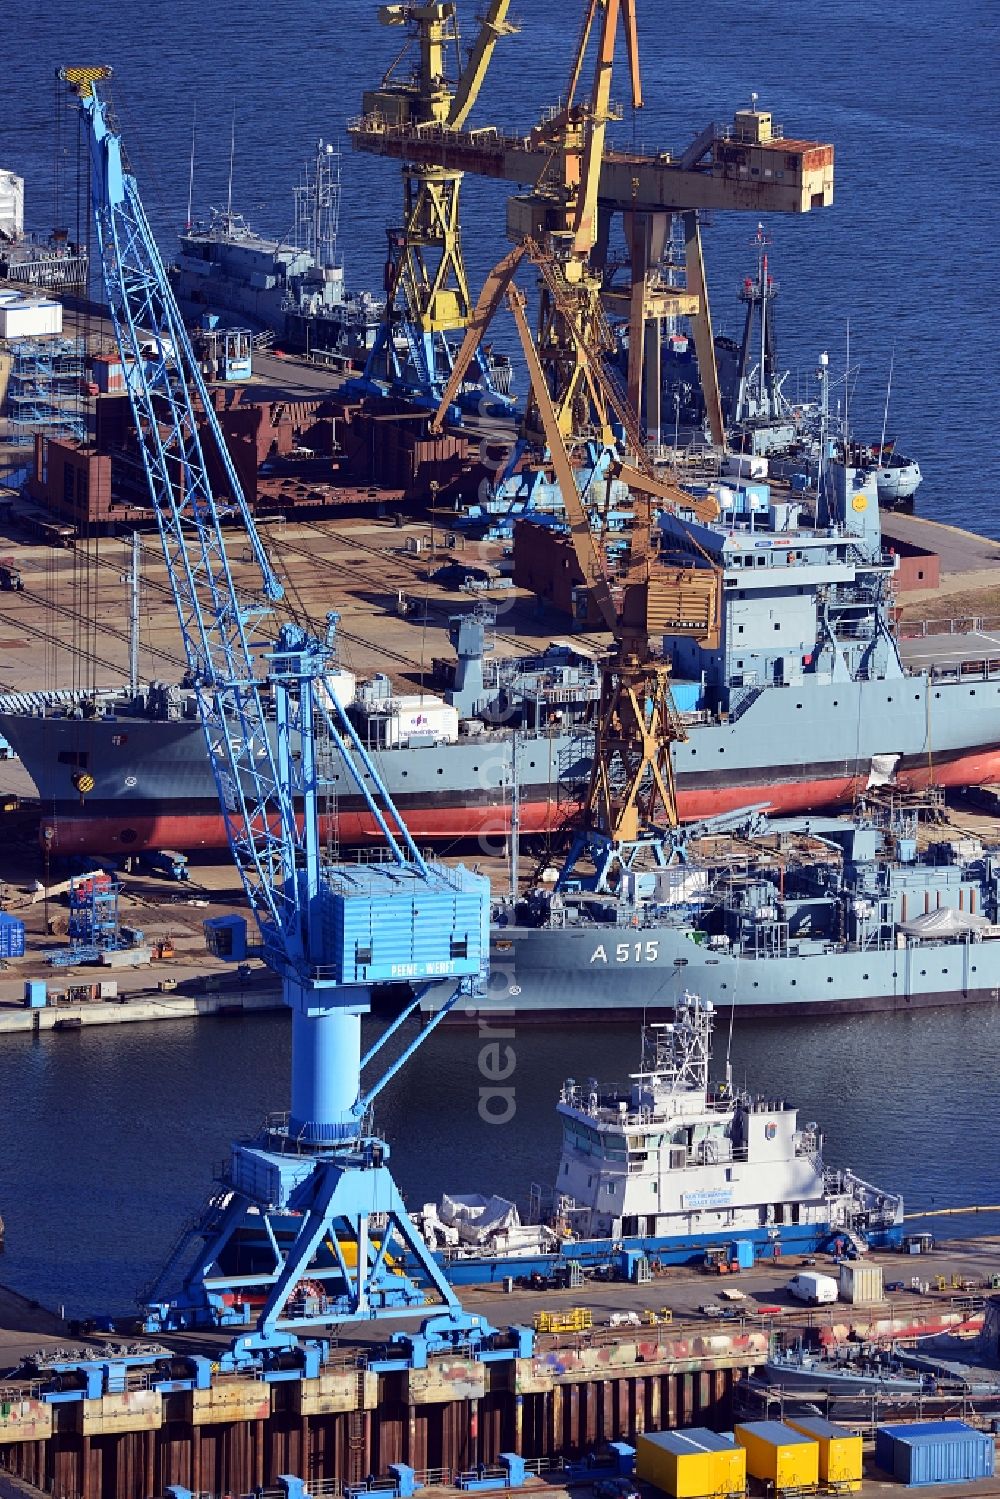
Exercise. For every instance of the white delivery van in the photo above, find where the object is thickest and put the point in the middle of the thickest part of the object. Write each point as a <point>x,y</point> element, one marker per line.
<point>818,1290</point>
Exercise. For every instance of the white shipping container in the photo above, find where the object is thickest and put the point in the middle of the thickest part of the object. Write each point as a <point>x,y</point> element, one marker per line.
<point>746,465</point>
<point>861,1281</point>
<point>421,714</point>
<point>11,205</point>
<point>30,317</point>
<point>108,988</point>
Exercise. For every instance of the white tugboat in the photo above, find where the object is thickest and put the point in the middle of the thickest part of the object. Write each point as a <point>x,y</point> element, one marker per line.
<point>669,1169</point>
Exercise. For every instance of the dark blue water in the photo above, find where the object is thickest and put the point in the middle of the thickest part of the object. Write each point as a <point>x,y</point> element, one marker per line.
<point>110,1138</point>
<point>907,254</point>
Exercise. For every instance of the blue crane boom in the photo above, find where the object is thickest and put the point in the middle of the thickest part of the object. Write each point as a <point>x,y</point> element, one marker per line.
<point>309,1227</point>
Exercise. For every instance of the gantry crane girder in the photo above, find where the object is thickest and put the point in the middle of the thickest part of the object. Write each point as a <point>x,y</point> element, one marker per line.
<point>748,167</point>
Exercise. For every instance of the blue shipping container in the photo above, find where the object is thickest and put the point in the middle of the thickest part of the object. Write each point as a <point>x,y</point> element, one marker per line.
<point>36,994</point>
<point>926,1452</point>
<point>686,695</point>
<point>11,936</point>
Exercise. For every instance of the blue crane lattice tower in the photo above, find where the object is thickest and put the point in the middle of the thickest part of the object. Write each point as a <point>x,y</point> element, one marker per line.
<point>307,1226</point>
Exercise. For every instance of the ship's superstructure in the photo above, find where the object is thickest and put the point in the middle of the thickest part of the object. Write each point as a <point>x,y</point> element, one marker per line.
<point>761,418</point>
<point>802,605</point>
<point>839,927</point>
<point>675,1155</point>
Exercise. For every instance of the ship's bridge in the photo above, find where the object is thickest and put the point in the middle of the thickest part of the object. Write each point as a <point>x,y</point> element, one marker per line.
<point>799,600</point>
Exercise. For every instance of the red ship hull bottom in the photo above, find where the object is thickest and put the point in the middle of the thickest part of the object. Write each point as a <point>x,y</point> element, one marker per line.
<point>100,830</point>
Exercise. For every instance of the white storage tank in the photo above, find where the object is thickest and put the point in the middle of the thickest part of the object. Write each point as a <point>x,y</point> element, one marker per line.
<point>340,686</point>
<point>30,317</point>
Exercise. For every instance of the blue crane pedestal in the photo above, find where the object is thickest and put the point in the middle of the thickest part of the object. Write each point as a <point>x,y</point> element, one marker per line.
<point>300,1238</point>
<point>308,1227</point>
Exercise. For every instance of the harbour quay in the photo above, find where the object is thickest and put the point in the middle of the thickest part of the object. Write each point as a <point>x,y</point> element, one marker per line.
<point>99,1414</point>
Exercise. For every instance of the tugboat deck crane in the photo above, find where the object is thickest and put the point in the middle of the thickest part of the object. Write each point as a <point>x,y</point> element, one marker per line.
<point>308,1227</point>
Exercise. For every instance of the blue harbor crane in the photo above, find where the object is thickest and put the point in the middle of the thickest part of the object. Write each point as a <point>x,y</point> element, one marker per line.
<point>307,1227</point>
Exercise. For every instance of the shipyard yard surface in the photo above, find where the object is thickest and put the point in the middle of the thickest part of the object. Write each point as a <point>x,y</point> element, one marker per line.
<point>696,1336</point>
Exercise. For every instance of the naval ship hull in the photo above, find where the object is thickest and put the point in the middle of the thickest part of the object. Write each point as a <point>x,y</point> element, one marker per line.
<point>798,748</point>
<point>621,973</point>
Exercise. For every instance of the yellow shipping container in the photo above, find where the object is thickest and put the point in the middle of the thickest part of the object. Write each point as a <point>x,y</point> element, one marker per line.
<point>840,1455</point>
<point>691,1464</point>
<point>778,1454</point>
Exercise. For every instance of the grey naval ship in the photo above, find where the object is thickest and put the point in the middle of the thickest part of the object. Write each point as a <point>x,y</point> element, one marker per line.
<point>294,288</point>
<point>761,418</point>
<point>859,922</point>
<point>808,697</point>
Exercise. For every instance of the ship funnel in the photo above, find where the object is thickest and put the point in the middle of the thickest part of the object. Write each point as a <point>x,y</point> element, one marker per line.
<point>468,635</point>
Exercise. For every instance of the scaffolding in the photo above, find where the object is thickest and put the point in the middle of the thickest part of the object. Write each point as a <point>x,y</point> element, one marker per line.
<point>45,389</point>
<point>94,921</point>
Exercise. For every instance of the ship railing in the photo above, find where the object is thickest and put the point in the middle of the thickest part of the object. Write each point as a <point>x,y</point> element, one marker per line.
<point>732,133</point>
<point>545,1465</point>
<point>976,669</point>
<point>430,1478</point>
<point>577,1098</point>
<point>969,624</point>
<point>32,1389</point>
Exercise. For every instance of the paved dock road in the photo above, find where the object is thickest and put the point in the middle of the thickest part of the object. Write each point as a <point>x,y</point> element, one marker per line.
<point>921,652</point>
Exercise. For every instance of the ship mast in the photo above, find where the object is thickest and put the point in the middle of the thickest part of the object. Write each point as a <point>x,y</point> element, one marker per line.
<point>132,579</point>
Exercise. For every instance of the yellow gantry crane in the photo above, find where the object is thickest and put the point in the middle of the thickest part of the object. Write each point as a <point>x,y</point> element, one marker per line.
<point>426,263</point>
<point>749,166</point>
<point>561,226</point>
<point>631,798</point>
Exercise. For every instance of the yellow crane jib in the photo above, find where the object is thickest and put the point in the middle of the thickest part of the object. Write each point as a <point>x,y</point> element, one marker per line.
<point>430,268</point>
<point>493,26</point>
<point>82,80</point>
